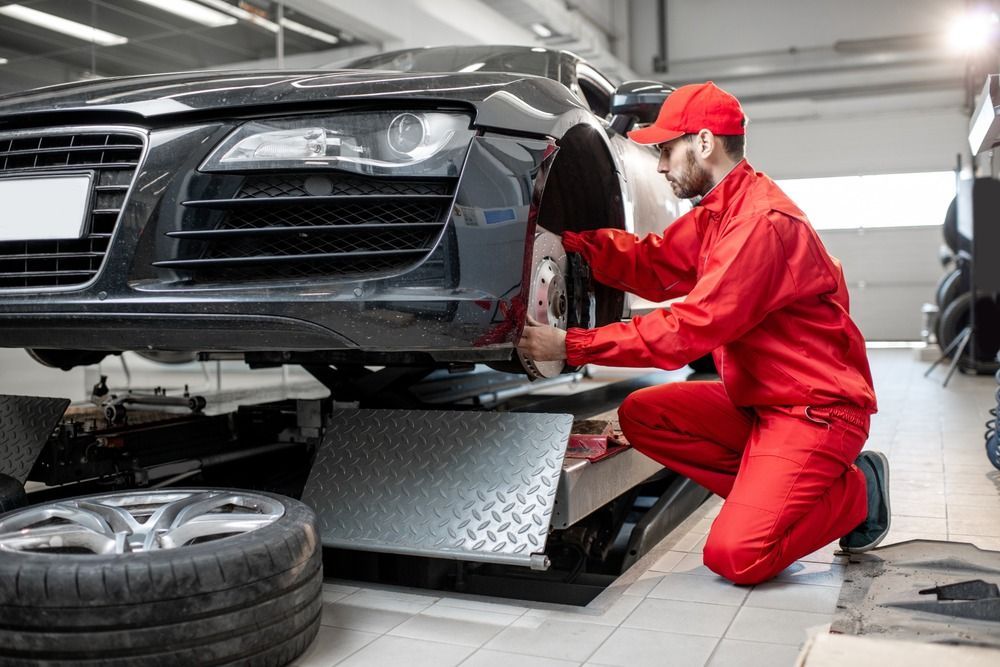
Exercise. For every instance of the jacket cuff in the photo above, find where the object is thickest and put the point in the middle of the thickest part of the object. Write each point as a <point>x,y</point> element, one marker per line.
<point>572,242</point>
<point>577,344</point>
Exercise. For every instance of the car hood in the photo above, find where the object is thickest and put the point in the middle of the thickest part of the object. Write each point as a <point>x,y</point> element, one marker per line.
<point>234,92</point>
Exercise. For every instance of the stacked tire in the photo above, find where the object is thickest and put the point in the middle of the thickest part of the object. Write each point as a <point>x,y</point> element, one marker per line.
<point>235,585</point>
<point>955,307</point>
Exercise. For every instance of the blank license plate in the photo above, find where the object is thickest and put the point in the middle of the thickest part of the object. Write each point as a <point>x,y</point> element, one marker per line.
<point>44,208</point>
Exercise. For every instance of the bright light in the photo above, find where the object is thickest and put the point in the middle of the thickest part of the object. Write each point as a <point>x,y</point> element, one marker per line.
<point>192,11</point>
<point>64,26</point>
<point>289,24</point>
<point>972,32</point>
<point>3,61</point>
<point>541,30</point>
<point>243,14</point>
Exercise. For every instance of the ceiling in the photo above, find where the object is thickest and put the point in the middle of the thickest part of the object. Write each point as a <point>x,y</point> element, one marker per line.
<point>158,40</point>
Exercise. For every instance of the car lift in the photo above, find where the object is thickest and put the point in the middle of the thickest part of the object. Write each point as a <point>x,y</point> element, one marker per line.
<point>459,488</point>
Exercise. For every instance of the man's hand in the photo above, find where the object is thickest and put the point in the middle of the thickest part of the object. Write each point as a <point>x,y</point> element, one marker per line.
<point>540,342</point>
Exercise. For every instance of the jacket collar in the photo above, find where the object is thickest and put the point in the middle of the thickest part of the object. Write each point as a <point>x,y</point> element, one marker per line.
<point>721,196</point>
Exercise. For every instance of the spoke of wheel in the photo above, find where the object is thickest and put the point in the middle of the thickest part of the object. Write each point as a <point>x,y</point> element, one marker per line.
<point>119,518</point>
<point>224,525</point>
<point>59,537</point>
<point>166,516</point>
<point>34,516</point>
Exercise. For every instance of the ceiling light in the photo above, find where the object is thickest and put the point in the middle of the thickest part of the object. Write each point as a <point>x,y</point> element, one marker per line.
<point>541,30</point>
<point>65,26</point>
<point>309,32</point>
<point>3,61</point>
<point>192,11</point>
<point>973,31</point>
<point>242,14</point>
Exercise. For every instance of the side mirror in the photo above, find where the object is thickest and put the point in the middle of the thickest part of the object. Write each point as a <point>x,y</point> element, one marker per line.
<point>637,102</point>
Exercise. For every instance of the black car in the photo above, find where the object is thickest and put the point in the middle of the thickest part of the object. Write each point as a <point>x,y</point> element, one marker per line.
<point>399,211</point>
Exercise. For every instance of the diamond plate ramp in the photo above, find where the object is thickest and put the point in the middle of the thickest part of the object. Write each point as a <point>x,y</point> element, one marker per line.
<point>472,486</point>
<point>25,425</point>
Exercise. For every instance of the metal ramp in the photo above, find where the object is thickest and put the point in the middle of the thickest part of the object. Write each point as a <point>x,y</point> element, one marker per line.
<point>25,424</point>
<point>477,486</point>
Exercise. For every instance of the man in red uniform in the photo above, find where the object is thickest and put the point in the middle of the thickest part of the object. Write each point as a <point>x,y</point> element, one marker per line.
<point>780,436</point>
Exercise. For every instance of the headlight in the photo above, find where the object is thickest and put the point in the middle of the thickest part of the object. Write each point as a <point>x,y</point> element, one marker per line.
<point>376,143</point>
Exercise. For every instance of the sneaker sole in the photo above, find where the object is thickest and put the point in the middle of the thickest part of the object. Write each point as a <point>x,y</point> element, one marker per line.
<point>888,509</point>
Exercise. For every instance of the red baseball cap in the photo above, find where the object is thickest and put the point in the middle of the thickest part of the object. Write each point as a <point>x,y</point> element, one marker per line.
<point>690,109</point>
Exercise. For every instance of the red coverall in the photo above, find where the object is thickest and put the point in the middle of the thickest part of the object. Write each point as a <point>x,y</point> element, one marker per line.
<point>777,437</point>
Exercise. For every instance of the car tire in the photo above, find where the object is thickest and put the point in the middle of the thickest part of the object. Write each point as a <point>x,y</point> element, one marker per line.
<point>956,317</point>
<point>12,495</point>
<point>949,228</point>
<point>949,287</point>
<point>249,597</point>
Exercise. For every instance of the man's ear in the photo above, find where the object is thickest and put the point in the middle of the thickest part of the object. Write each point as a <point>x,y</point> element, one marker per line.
<point>705,143</point>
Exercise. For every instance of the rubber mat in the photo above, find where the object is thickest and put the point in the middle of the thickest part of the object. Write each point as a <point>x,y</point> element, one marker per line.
<point>923,590</point>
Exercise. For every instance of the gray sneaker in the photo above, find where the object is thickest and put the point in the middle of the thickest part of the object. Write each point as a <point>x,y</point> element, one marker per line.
<point>875,527</point>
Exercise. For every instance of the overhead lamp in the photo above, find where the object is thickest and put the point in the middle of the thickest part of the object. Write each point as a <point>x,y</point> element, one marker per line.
<point>3,61</point>
<point>309,32</point>
<point>541,30</point>
<point>242,14</point>
<point>973,31</point>
<point>192,11</point>
<point>61,25</point>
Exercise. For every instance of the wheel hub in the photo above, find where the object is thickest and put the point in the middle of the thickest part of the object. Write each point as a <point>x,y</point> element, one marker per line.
<point>548,301</point>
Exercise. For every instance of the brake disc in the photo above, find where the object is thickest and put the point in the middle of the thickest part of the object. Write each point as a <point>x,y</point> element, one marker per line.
<point>548,302</point>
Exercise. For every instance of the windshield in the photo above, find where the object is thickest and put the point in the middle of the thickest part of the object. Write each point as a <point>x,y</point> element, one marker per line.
<point>513,59</point>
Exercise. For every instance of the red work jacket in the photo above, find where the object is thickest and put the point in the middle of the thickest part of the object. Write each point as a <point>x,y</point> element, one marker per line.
<point>762,295</point>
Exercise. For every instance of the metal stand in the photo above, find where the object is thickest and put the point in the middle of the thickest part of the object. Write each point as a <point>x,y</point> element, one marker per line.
<point>961,342</point>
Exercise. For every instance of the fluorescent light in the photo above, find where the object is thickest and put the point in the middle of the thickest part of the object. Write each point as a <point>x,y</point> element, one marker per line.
<point>242,14</point>
<point>65,26</point>
<point>541,30</point>
<point>973,31</point>
<point>310,32</point>
<point>192,11</point>
<point>3,61</point>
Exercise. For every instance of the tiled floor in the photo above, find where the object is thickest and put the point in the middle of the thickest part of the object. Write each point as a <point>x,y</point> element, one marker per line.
<point>669,609</point>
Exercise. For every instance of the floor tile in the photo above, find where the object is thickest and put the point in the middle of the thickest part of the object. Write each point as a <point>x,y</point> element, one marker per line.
<point>732,652</point>
<point>629,647</point>
<point>794,597</point>
<point>694,588</point>
<point>678,616</point>
<point>617,612</point>
<point>454,625</point>
<point>646,582</point>
<point>410,652</point>
<point>818,574</point>
<point>333,644</point>
<point>551,639</point>
<point>489,658</point>
<point>360,618</point>
<point>774,626</point>
<point>667,561</point>
<point>693,564</point>
<point>479,605</point>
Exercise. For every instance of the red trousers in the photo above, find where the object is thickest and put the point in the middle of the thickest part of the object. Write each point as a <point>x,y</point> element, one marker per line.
<point>787,474</point>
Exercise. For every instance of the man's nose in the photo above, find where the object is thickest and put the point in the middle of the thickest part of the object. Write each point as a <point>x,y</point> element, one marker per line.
<point>662,165</point>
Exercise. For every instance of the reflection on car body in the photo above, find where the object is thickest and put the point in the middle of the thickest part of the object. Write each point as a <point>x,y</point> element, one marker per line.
<point>382,213</point>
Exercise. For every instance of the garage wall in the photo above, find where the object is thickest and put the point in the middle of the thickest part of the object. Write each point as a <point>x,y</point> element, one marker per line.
<point>890,274</point>
<point>834,89</point>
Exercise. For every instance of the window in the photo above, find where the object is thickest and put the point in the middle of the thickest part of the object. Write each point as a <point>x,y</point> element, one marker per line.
<point>596,89</point>
<point>884,200</point>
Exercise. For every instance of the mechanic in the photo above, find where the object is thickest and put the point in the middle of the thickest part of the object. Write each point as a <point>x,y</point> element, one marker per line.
<point>780,436</point>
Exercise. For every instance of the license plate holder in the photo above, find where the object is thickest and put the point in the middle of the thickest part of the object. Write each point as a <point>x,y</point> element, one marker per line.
<point>45,208</point>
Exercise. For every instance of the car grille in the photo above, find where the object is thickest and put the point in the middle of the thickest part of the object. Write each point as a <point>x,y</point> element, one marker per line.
<point>113,157</point>
<point>315,225</point>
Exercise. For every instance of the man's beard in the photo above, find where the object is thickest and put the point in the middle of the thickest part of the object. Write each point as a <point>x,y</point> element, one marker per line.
<point>695,182</point>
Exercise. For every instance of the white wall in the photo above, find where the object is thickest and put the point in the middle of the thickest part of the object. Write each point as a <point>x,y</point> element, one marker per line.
<point>890,274</point>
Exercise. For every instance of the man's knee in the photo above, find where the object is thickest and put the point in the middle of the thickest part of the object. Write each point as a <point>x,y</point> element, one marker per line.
<point>737,559</point>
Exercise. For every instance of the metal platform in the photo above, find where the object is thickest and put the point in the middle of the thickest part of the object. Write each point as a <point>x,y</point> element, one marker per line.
<point>25,424</point>
<point>475,486</point>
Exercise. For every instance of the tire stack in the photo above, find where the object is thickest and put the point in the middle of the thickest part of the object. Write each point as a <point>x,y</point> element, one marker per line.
<point>954,302</point>
<point>992,436</point>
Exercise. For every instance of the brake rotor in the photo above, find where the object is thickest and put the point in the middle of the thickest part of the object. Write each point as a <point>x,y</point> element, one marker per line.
<point>548,301</point>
